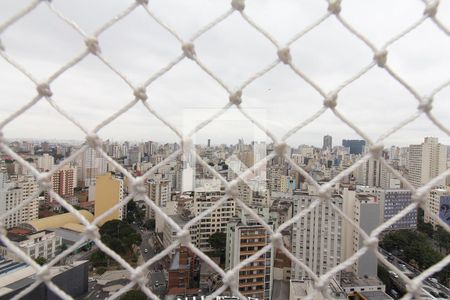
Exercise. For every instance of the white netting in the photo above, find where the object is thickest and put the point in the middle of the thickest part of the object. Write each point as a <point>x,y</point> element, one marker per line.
<point>138,94</point>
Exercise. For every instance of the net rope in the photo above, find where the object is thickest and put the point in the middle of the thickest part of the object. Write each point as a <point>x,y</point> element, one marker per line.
<point>138,94</point>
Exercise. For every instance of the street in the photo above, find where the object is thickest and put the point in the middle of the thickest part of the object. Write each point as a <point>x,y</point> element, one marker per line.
<point>156,278</point>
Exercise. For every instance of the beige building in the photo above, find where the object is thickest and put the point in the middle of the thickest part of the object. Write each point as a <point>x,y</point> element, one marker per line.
<point>45,162</point>
<point>67,220</point>
<point>108,192</point>
<point>426,161</point>
<point>159,193</point>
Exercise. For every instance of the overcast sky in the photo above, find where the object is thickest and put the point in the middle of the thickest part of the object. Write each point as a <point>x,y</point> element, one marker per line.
<point>139,47</point>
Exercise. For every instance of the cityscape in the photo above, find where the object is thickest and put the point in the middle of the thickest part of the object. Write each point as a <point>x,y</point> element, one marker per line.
<point>41,218</point>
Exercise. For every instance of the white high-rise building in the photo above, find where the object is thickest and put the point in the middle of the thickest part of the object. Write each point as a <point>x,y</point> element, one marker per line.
<point>13,193</point>
<point>316,237</point>
<point>45,162</point>
<point>426,161</point>
<point>91,165</point>
<point>364,209</point>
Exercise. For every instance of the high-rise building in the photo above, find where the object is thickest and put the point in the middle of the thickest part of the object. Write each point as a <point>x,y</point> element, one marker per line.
<point>216,220</point>
<point>327,143</point>
<point>438,206</point>
<point>13,193</point>
<point>134,156</point>
<point>356,146</point>
<point>45,162</point>
<point>426,161</point>
<point>364,209</point>
<point>108,192</point>
<point>91,165</point>
<point>392,202</point>
<point>159,192</point>
<point>316,237</point>
<point>64,181</point>
<point>245,237</point>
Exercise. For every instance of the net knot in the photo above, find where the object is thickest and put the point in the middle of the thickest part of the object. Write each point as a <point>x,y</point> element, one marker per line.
<point>2,137</point>
<point>184,237</point>
<point>236,97</point>
<point>2,48</point>
<point>371,243</point>
<point>142,2</point>
<point>43,180</point>
<point>91,232</point>
<point>418,197</point>
<point>281,149</point>
<point>238,5</point>
<point>44,274</point>
<point>188,50</point>
<point>232,191</point>
<point>93,46</point>
<point>414,289</point>
<point>139,187</point>
<point>377,151</point>
<point>334,6</point>
<point>426,105</point>
<point>431,8</point>
<point>321,285</point>
<point>324,193</point>
<point>186,145</point>
<point>330,100</point>
<point>138,277</point>
<point>284,54</point>
<point>93,140</point>
<point>277,240</point>
<point>380,58</point>
<point>140,93</point>
<point>229,279</point>
<point>44,90</point>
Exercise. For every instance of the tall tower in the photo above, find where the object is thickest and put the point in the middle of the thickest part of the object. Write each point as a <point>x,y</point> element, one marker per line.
<point>426,161</point>
<point>327,142</point>
<point>316,237</point>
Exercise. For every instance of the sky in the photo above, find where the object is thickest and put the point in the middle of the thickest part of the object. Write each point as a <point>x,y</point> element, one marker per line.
<point>138,47</point>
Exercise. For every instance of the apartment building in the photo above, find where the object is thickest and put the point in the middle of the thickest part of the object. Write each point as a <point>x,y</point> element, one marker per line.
<point>245,237</point>
<point>12,194</point>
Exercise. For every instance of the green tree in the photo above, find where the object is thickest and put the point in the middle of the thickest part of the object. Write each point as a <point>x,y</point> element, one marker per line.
<point>41,260</point>
<point>134,295</point>
<point>218,240</point>
<point>442,239</point>
<point>119,236</point>
<point>99,259</point>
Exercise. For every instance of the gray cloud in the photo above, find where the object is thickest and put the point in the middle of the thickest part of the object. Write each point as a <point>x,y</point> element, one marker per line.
<point>138,47</point>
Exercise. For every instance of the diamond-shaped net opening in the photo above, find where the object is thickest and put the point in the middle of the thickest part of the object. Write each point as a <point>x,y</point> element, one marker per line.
<point>261,239</point>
